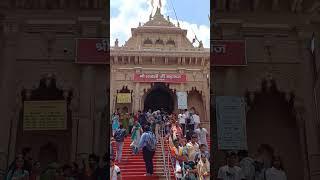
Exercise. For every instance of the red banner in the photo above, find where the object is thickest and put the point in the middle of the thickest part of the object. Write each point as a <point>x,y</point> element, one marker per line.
<point>159,77</point>
<point>228,53</point>
<point>92,51</point>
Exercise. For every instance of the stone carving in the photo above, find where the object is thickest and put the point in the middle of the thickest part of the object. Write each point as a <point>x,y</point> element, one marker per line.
<point>116,43</point>
<point>159,42</point>
<point>200,44</point>
<point>171,42</point>
<point>147,42</point>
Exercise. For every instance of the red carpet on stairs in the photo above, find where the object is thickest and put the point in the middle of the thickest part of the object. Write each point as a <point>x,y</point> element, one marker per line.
<point>132,166</point>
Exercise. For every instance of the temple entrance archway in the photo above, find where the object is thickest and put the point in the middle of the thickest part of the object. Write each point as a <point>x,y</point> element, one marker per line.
<point>48,144</point>
<point>159,96</point>
<point>271,120</point>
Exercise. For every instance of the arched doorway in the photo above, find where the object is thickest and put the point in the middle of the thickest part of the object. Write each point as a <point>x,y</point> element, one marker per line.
<point>46,144</point>
<point>159,96</point>
<point>271,120</point>
<point>195,101</point>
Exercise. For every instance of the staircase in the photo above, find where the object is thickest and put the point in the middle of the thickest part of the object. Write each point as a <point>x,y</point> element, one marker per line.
<point>133,167</point>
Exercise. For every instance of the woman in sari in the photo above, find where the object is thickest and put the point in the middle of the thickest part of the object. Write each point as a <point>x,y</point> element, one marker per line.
<point>125,120</point>
<point>135,136</point>
<point>115,122</point>
<point>176,129</point>
<point>203,168</point>
<point>131,120</point>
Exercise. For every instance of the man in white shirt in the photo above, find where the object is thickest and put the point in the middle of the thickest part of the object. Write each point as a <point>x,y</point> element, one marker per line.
<point>202,134</point>
<point>230,171</point>
<point>196,119</point>
<point>186,113</point>
<point>276,172</point>
<point>114,171</point>
<point>247,165</point>
<point>182,122</point>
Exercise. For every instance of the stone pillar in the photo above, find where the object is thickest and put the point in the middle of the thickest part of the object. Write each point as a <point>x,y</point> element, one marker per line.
<point>309,103</point>
<point>137,98</point>
<point>112,90</point>
<point>231,82</point>
<point>8,92</point>
<point>206,99</point>
<point>85,136</point>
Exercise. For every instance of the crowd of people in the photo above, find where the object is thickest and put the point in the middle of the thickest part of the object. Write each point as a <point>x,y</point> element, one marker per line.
<point>187,147</point>
<point>186,136</point>
<point>189,151</point>
<point>264,165</point>
<point>24,167</point>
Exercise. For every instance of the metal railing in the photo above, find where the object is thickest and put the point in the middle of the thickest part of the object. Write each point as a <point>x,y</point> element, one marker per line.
<point>168,164</point>
<point>166,170</point>
<point>169,159</point>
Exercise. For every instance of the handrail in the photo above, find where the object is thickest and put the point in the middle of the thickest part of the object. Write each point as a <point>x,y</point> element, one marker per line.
<point>169,158</point>
<point>163,153</point>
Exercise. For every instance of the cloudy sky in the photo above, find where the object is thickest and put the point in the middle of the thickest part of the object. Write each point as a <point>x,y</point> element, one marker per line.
<point>192,15</point>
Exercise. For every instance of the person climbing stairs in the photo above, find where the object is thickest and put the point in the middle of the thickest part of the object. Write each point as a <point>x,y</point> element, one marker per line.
<point>133,167</point>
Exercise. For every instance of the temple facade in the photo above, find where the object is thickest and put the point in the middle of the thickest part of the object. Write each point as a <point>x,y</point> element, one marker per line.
<point>154,65</point>
<point>277,79</point>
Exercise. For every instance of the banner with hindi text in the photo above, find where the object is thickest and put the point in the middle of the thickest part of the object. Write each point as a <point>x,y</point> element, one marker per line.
<point>228,53</point>
<point>160,77</point>
<point>92,51</point>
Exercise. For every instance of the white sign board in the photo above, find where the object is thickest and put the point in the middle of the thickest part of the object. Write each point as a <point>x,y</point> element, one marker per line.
<point>182,100</point>
<point>231,123</point>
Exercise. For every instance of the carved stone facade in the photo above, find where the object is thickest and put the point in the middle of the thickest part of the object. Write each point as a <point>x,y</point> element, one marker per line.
<point>39,46</point>
<point>161,47</point>
<point>278,80</point>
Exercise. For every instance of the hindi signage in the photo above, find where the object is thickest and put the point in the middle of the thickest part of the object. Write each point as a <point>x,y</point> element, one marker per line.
<point>92,51</point>
<point>231,123</point>
<point>45,115</point>
<point>123,98</point>
<point>228,53</point>
<point>182,100</point>
<point>160,77</point>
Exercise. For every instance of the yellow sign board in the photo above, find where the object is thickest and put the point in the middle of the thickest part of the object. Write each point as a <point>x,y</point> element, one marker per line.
<point>45,115</point>
<point>123,98</point>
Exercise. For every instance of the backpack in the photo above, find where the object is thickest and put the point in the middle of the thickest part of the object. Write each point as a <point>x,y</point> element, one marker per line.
<point>151,142</point>
<point>119,135</point>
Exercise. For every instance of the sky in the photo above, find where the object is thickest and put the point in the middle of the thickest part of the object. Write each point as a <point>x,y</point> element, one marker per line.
<point>192,16</point>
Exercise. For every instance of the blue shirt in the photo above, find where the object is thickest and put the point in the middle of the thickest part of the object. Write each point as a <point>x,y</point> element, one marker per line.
<point>143,140</point>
